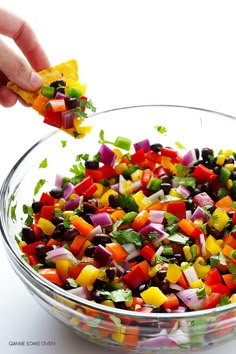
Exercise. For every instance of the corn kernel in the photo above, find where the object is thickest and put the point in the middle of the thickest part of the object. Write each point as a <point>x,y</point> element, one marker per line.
<point>229,166</point>
<point>196,284</point>
<point>73,196</point>
<point>119,335</point>
<point>233,298</point>
<point>108,303</point>
<point>120,168</point>
<point>228,153</point>
<point>220,160</point>
<point>67,213</point>
<point>187,253</point>
<point>118,153</point>
<point>229,184</point>
<point>22,244</point>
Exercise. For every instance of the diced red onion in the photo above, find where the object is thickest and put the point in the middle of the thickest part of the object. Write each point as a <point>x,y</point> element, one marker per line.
<point>156,197</point>
<point>156,216</point>
<point>202,242</point>
<point>115,187</point>
<point>59,180</point>
<point>72,204</point>
<point>188,214</point>
<point>189,158</point>
<point>68,190</point>
<point>179,336</point>
<point>134,186</point>
<point>107,156</point>
<point>203,199</point>
<point>81,291</point>
<point>190,298</point>
<point>175,286</point>
<point>182,190</point>
<point>102,255</point>
<point>60,95</point>
<point>131,250</point>
<point>103,219</point>
<point>156,342</point>
<point>96,230</point>
<point>190,274</point>
<point>67,119</point>
<point>122,181</point>
<point>152,227</point>
<point>120,269</point>
<point>179,309</point>
<point>144,145</point>
<point>60,253</point>
<point>200,213</point>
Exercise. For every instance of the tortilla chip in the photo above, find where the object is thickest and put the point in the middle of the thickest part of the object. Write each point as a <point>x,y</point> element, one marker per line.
<point>65,71</point>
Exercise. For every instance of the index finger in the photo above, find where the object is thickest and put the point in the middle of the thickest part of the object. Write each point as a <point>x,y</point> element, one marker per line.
<point>16,28</point>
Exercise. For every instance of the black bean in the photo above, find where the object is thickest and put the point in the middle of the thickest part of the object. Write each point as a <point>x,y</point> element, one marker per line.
<point>92,164</point>
<point>166,187</point>
<point>58,83</point>
<point>206,153</point>
<point>41,251</point>
<point>229,159</point>
<point>28,235</point>
<point>233,175</point>
<point>164,286</point>
<point>156,147</point>
<point>56,220</point>
<point>36,206</point>
<point>98,296</point>
<point>72,102</point>
<point>101,239</point>
<point>113,200</point>
<point>110,272</point>
<point>197,153</point>
<point>161,274</point>
<point>57,234</point>
<point>165,178</point>
<point>69,235</point>
<point>56,192</point>
<point>89,251</point>
<point>216,170</point>
<point>89,208</point>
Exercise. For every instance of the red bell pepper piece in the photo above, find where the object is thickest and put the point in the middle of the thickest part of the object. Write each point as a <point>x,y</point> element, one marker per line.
<point>136,277</point>
<point>37,231</point>
<point>168,152</point>
<point>81,187</point>
<point>89,192</point>
<point>108,171</point>
<point>221,289</point>
<point>96,175</point>
<point>33,260</point>
<point>47,199</point>
<point>211,301</point>
<point>30,249</point>
<point>138,157</point>
<point>177,208</point>
<point>148,251</point>
<point>147,174</point>
<point>153,156</point>
<point>213,277</point>
<point>203,174</point>
<point>47,212</point>
<point>52,118</point>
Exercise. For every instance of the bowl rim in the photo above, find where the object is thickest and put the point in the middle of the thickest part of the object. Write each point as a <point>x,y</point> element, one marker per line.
<point>58,292</point>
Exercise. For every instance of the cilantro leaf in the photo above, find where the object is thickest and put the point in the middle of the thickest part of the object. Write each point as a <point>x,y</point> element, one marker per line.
<point>118,295</point>
<point>39,185</point>
<point>127,202</point>
<point>161,129</point>
<point>128,236</point>
<point>44,163</point>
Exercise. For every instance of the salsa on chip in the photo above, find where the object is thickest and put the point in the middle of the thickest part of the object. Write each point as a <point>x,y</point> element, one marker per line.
<point>61,100</point>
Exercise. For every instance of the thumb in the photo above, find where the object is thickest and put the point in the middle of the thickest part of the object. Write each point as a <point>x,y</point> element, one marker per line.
<point>17,70</point>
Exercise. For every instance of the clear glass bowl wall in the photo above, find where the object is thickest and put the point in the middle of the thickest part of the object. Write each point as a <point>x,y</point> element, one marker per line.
<point>193,128</point>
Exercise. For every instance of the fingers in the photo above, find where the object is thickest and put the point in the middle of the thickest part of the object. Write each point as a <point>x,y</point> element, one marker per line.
<point>17,70</point>
<point>7,97</point>
<point>16,28</point>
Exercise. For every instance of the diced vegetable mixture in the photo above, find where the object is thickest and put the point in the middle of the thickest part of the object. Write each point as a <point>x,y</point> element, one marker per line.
<point>139,227</point>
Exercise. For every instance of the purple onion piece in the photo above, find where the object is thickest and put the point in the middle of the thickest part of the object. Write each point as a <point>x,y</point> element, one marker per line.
<point>103,219</point>
<point>102,255</point>
<point>68,190</point>
<point>107,156</point>
<point>144,145</point>
<point>72,204</point>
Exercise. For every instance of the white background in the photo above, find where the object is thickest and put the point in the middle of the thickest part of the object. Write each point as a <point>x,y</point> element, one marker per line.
<point>129,52</point>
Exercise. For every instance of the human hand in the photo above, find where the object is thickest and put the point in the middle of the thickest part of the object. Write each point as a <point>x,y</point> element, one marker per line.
<point>14,67</point>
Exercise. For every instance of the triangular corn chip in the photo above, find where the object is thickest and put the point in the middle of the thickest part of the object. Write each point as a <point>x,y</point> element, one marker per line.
<point>66,71</point>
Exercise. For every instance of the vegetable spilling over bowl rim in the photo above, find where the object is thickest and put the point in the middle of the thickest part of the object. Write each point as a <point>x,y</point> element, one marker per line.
<point>61,101</point>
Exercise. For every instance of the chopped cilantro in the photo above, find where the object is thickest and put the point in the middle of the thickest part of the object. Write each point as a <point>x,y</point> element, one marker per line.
<point>29,212</point>
<point>13,213</point>
<point>179,145</point>
<point>128,236</point>
<point>178,238</point>
<point>72,282</point>
<point>44,163</point>
<point>232,270</point>
<point>224,300</point>
<point>39,185</point>
<point>63,143</point>
<point>127,202</point>
<point>118,295</point>
<point>186,181</point>
<point>161,129</point>
<point>201,293</point>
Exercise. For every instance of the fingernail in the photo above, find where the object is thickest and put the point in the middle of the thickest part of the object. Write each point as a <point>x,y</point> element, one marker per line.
<point>35,80</point>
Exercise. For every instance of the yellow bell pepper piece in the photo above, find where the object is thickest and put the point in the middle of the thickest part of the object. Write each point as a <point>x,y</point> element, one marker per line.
<point>201,268</point>
<point>173,273</point>
<point>153,296</point>
<point>142,201</point>
<point>212,245</point>
<point>104,200</point>
<point>46,226</point>
<point>87,276</point>
<point>63,268</point>
<point>218,219</point>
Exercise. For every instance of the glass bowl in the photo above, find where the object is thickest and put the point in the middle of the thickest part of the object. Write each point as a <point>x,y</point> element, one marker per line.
<point>115,328</point>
